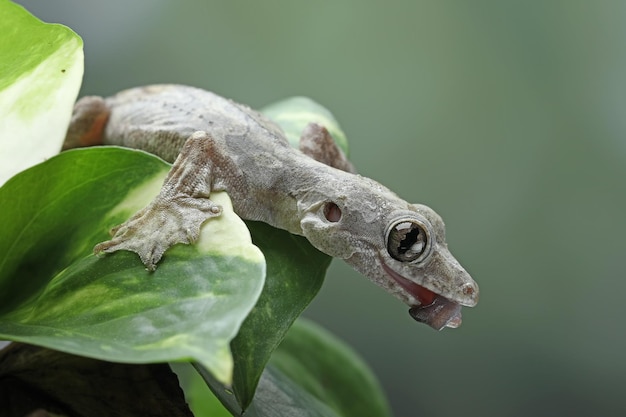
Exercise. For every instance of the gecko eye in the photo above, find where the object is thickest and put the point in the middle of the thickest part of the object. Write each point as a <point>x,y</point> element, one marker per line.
<point>407,241</point>
<point>332,212</point>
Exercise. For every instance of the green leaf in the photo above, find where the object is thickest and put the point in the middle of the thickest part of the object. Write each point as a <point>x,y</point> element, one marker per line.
<point>40,74</point>
<point>331,371</point>
<point>276,395</point>
<point>112,308</point>
<point>201,400</point>
<point>294,114</point>
<point>310,374</point>
<point>279,395</point>
<point>54,213</point>
<point>295,273</point>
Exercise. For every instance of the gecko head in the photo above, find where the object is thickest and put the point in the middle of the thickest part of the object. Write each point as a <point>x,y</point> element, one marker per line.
<point>400,247</point>
<point>427,276</point>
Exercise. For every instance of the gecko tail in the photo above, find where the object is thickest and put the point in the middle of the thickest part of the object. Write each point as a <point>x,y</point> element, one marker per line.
<point>89,119</point>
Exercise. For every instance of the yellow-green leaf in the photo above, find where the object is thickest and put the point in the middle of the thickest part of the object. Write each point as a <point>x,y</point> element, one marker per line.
<point>41,69</point>
<point>53,293</point>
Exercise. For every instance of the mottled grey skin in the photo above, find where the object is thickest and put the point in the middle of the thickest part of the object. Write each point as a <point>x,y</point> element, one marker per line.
<point>221,145</point>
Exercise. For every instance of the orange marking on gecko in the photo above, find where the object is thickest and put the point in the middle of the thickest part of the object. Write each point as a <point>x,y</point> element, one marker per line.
<point>93,136</point>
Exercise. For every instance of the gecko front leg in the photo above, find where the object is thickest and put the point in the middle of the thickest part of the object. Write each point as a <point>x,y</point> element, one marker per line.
<point>178,212</point>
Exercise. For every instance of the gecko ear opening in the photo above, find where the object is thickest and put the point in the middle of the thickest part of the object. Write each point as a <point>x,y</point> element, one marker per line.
<point>332,212</point>
<point>324,231</point>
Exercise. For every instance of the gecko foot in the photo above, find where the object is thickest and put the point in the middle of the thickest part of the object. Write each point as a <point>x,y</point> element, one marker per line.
<point>162,224</point>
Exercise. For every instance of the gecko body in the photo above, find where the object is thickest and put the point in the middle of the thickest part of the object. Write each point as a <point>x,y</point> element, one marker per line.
<point>216,144</point>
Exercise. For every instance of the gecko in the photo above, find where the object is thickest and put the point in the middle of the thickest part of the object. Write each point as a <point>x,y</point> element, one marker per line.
<point>216,144</point>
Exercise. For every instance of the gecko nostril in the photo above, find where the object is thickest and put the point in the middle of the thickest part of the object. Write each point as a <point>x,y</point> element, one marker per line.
<point>468,289</point>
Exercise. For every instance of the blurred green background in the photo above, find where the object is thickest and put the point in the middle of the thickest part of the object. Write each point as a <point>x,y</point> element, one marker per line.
<point>508,118</point>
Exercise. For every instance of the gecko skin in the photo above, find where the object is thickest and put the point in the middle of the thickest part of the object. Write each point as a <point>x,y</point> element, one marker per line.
<point>217,144</point>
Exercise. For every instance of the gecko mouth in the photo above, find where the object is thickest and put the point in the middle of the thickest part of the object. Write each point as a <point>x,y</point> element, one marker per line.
<point>433,309</point>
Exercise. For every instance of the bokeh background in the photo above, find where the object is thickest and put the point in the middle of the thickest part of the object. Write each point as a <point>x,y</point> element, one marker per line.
<point>507,117</point>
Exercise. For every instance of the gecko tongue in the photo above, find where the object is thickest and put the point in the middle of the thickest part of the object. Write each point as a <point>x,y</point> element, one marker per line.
<point>439,314</point>
<point>434,310</point>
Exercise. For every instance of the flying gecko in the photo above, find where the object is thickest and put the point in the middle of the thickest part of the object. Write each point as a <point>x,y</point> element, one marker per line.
<point>216,144</point>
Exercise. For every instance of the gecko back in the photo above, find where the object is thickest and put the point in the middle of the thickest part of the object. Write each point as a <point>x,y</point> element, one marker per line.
<point>160,118</point>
